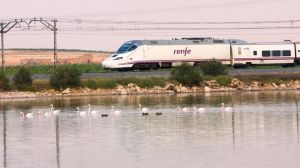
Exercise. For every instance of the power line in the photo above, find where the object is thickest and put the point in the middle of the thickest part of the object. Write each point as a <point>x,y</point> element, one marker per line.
<point>176,9</point>
<point>103,22</point>
<point>25,24</point>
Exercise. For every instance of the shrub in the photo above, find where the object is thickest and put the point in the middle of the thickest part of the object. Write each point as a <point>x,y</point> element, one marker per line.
<point>224,80</point>
<point>39,85</point>
<point>187,75</point>
<point>4,81</point>
<point>92,84</point>
<point>213,68</point>
<point>65,76</point>
<point>23,80</point>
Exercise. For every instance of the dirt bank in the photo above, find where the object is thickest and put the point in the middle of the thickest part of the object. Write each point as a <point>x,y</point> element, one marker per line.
<point>132,89</point>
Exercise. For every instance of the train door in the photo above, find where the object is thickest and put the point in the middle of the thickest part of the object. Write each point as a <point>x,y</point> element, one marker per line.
<point>247,54</point>
<point>297,49</point>
<point>145,52</point>
<point>231,56</point>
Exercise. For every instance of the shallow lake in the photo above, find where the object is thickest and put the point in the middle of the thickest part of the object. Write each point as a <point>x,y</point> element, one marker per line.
<point>261,130</point>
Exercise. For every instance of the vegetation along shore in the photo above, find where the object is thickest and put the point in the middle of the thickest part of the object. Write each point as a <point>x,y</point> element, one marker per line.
<point>65,81</point>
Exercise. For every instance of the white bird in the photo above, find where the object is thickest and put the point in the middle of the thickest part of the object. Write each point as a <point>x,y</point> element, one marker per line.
<point>27,115</point>
<point>223,108</point>
<point>201,109</point>
<point>115,112</point>
<point>94,112</point>
<point>54,112</point>
<point>185,109</point>
<point>80,113</point>
<point>46,114</point>
<point>143,110</point>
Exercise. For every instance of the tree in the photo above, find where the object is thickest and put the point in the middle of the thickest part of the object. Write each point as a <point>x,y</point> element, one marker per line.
<point>4,81</point>
<point>213,68</point>
<point>65,76</point>
<point>23,79</point>
<point>187,75</point>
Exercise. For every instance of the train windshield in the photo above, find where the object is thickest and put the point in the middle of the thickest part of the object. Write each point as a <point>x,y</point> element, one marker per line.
<point>128,46</point>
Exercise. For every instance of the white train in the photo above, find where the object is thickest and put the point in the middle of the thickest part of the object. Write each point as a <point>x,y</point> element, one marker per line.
<point>155,54</point>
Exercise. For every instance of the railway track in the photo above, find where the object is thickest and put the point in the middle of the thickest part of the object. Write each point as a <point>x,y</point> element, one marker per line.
<point>276,72</point>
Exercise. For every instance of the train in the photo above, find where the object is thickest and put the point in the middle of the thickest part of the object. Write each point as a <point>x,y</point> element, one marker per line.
<point>156,54</point>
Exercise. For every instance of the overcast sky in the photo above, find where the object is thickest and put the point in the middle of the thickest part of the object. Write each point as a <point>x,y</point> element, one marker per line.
<point>152,10</point>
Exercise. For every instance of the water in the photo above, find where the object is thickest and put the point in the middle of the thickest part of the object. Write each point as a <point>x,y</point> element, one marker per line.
<point>262,131</point>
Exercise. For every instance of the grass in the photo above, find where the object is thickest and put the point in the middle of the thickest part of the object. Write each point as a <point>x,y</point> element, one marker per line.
<point>276,78</point>
<point>48,69</point>
<point>223,80</point>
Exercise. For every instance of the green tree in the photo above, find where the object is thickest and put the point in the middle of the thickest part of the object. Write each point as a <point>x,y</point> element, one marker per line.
<point>213,68</point>
<point>65,76</point>
<point>4,81</point>
<point>187,75</point>
<point>23,79</point>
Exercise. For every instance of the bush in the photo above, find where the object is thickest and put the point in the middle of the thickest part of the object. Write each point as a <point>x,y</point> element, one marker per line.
<point>65,76</point>
<point>40,85</point>
<point>213,68</point>
<point>187,75</point>
<point>224,80</point>
<point>92,84</point>
<point>4,81</point>
<point>23,80</point>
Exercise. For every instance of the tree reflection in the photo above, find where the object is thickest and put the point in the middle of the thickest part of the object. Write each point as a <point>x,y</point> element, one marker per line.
<point>4,136</point>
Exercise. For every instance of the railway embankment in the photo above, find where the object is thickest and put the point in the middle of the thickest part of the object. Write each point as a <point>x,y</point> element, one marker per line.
<point>184,79</point>
<point>210,86</point>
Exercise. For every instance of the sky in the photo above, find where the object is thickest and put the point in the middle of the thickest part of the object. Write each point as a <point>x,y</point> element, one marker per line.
<point>140,10</point>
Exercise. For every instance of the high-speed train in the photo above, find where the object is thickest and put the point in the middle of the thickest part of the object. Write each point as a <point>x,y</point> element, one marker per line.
<point>155,54</point>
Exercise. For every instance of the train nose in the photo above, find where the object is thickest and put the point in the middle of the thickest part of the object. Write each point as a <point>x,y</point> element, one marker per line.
<point>106,64</point>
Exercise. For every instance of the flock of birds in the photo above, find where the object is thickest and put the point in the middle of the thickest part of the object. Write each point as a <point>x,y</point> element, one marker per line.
<point>143,110</point>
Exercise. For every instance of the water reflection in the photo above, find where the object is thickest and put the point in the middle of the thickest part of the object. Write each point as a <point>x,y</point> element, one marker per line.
<point>262,125</point>
<point>233,129</point>
<point>4,136</point>
<point>297,118</point>
<point>57,141</point>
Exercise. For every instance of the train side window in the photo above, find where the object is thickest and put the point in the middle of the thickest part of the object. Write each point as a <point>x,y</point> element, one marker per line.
<point>240,51</point>
<point>153,42</point>
<point>276,53</point>
<point>254,52</point>
<point>266,53</point>
<point>132,48</point>
<point>286,53</point>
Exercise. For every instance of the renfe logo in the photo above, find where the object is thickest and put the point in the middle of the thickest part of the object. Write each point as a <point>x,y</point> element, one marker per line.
<point>184,52</point>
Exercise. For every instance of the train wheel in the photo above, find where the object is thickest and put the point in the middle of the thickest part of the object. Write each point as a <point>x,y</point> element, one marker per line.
<point>155,66</point>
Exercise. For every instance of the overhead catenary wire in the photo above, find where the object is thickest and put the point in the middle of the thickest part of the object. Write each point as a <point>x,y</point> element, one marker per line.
<point>141,27</point>
<point>88,21</point>
<point>174,9</point>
